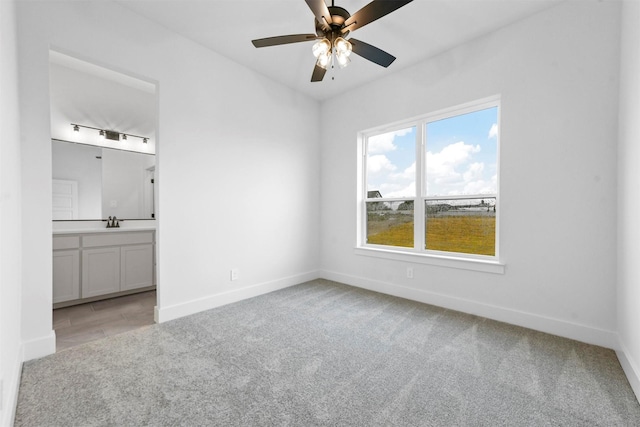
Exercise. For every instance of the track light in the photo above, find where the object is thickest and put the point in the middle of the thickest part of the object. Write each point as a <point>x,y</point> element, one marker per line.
<point>110,134</point>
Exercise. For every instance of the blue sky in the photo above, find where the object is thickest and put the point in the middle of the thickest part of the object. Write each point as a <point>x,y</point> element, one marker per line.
<point>461,157</point>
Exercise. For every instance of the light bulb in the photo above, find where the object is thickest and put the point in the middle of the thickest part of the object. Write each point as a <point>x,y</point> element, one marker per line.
<point>323,60</point>
<point>343,59</point>
<point>321,47</point>
<point>343,47</point>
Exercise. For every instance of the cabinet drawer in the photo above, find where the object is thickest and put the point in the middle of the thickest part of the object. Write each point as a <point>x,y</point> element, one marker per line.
<point>116,239</point>
<point>66,242</point>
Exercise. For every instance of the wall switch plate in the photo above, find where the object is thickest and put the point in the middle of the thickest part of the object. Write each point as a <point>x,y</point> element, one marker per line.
<point>234,274</point>
<point>409,272</point>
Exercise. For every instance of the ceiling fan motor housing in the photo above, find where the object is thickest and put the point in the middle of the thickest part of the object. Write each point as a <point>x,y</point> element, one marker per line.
<point>338,17</point>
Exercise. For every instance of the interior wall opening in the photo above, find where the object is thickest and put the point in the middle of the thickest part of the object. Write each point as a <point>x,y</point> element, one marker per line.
<point>104,205</point>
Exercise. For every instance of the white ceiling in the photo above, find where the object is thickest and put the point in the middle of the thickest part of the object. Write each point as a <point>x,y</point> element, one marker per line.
<point>89,95</point>
<point>415,32</point>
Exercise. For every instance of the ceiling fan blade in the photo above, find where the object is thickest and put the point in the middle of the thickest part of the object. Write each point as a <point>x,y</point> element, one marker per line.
<point>371,53</point>
<point>374,10</point>
<point>320,10</point>
<point>318,73</point>
<point>278,40</point>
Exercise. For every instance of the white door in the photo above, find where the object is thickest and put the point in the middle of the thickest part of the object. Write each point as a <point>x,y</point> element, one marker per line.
<point>65,199</point>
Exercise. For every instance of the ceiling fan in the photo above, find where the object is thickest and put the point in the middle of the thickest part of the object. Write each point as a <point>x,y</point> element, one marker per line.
<point>333,24</point>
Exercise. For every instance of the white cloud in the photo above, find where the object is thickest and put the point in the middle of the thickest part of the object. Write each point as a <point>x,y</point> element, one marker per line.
<point>407,190</point>
<point>478,187</point>
<point>452,171</point>
<point>384,142</point>
<point>441,167</point>
<point>401,184</point>
<point>408,173</point>
<point>493,132</point>
<point>378,163</point>
<point>457,153</point>
<point>474,172</point>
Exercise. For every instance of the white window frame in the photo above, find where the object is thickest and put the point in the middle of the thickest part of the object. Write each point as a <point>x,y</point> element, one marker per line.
<point>419,254</point>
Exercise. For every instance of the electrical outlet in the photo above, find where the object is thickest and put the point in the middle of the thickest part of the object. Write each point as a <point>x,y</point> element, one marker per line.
<point>409,272</point>
<point>234,274</point>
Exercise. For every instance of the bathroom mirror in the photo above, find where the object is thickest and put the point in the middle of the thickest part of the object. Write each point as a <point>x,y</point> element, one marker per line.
<point>93,183</point>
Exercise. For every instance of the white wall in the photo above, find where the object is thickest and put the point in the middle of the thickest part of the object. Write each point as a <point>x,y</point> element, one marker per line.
<point>123,175</point>
<point>628,196</point>
<point>237,163</point>
<point>557,74</point>
<point>10,221</point>
<point>78,163</point>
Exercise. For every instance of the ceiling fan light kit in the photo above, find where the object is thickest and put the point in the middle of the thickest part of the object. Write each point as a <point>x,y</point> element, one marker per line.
<point>333,24</point>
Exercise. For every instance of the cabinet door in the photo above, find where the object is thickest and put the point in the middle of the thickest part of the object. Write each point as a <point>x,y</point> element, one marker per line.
<point>66,275</point>
<point>100,271</point>
<point>136,266</point>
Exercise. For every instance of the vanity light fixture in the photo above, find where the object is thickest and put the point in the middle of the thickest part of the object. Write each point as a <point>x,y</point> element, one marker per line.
<point>110,134</point>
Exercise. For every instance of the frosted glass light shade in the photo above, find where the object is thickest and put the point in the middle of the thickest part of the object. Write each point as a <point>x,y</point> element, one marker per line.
<point>321,48</point>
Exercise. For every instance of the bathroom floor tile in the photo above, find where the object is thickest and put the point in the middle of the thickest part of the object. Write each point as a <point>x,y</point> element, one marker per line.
<point>88,322</point>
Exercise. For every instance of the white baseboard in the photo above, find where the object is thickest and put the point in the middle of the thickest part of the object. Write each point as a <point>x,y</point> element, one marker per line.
<point>630,368</point>
<point>164,314</point>
<point>536,322</point>
<point>39,347</point>
<point>10,400</point>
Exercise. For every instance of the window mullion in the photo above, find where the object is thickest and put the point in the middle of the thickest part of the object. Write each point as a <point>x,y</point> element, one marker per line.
<point>418,204</point>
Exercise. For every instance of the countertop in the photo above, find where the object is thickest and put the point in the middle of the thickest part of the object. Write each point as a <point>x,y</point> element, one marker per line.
<point>102,230</point>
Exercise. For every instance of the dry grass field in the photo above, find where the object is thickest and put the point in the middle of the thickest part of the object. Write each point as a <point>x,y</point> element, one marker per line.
<point>470,234</point>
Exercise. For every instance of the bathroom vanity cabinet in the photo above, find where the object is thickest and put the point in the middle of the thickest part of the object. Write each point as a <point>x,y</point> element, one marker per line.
<point>92,266</point>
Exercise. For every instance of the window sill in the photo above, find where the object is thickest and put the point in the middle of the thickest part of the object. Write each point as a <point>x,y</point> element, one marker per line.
<point>430,259</point>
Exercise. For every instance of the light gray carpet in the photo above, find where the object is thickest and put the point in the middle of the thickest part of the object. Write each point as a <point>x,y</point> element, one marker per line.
<point>323,353</point>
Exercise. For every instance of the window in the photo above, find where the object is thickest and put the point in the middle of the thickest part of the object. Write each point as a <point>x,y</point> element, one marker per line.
<point>430,185</point>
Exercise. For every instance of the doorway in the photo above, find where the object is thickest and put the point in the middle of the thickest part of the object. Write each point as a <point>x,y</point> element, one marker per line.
<point>103,129</point>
